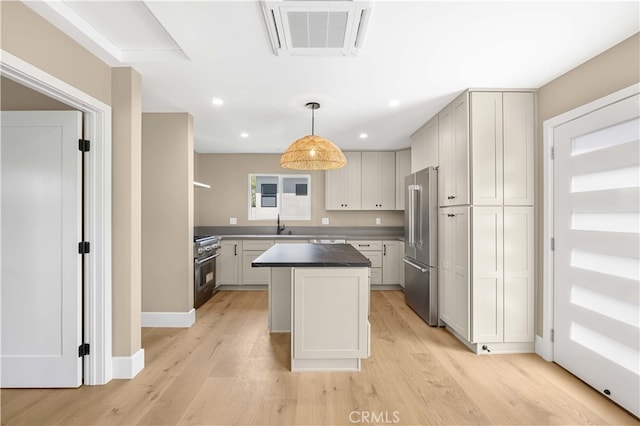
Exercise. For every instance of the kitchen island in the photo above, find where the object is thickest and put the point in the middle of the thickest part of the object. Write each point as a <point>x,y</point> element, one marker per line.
<point>328,302</point>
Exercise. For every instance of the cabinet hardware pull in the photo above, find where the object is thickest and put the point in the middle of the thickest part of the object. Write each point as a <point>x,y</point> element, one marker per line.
<point>451,215</point>
<point>235,249</point>
<point>384,249</point>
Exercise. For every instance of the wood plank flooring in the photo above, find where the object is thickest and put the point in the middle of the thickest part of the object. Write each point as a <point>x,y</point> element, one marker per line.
<point>227,369</point>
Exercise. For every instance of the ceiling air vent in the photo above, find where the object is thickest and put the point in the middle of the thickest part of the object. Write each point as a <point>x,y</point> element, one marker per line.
<point>316,28</point>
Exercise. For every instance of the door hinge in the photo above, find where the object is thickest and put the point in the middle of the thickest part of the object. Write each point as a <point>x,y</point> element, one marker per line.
<point>553,153</point>
<point>83,350</point>
<point>553,244</point>
<point>553,335</point>
<point>84,247</point>
<point>84,145</point>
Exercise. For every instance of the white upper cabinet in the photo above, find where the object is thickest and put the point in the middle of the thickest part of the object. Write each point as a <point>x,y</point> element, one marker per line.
<point>424,146</point>
<point>518,133</point>
<point>486,142</point>
<point>403,168</point>
<point>486,149</point>
<point>453,152</point>
<point>378,180</point>
<point>343,187</point>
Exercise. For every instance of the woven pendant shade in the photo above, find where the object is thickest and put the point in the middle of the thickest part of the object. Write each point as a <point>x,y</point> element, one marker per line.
<point>313,152</point>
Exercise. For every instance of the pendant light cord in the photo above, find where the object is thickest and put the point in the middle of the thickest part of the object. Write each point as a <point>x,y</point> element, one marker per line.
<point>313,118</point>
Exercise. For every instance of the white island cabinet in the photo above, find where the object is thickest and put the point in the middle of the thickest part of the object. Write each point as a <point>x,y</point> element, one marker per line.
<point>329,300</point>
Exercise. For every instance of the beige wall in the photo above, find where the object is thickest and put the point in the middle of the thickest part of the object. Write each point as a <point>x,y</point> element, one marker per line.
<point>612,70</point>
<point>126,206</point>
<point>228,175</point>
<point>26,35</point>
<point>167,212</point>
<point>16,97</point>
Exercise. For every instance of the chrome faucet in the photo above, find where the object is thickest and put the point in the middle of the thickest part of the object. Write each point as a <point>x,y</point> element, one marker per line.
<point>279,228</point>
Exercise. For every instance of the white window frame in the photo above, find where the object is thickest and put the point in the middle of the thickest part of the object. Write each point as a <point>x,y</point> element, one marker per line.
<point>280,177</point>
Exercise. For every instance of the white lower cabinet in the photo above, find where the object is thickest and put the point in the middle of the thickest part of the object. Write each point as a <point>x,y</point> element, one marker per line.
<point>330,329</point>
<point>486,276</point>
<point>228,263</point>
<point>251,249</point>
<point>453,252</point>
<point>372,250</point>
<point>392,266</point>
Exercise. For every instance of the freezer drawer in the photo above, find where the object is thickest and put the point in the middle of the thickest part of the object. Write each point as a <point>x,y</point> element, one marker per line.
<point>421,290</point>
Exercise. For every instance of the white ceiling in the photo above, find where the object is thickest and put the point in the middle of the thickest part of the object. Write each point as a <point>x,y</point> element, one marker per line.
<point>420,53</point>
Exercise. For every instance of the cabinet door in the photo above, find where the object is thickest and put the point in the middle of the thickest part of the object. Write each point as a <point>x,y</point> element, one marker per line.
<point>228,263</point>
<point>488,275</point>
<point>486,140</point>
<point>460,116</point>
<point>446,182</point>
<point>392,266</point>
<point>403,168</point>
<point>343,185</point>
<point>454,289</point>
<point>518,274</point>
<point>251,275</point>
<point>330,314</point>
<point>446,283</point>
<point>424,146</point>
<point>378,181</point>
<point>518,133</point>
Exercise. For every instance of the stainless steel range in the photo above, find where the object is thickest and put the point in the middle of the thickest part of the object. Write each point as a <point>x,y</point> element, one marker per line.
<point>205,251</point>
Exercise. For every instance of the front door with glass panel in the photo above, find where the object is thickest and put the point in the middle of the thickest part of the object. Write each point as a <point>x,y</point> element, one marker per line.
<point>597,250</point>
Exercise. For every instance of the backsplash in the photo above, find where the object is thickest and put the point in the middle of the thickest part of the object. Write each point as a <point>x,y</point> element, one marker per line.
<point>334,231</point>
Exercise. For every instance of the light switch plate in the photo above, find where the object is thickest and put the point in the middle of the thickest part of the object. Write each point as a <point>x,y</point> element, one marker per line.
<point>233,221</point>
<point>377,221</point>
<point>325,220</point>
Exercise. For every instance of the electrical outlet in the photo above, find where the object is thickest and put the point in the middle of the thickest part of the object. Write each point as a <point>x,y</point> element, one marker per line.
<point>325,220</point>
<point>233,221</point>
<point>377,221</point>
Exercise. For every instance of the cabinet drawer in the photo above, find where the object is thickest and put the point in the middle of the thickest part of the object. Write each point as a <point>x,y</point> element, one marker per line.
<point>376,276</point>
<point>362,245</point>
<point>256,244</point>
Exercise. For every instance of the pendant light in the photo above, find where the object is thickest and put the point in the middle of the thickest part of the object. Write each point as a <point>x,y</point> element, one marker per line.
<point>313,152</point>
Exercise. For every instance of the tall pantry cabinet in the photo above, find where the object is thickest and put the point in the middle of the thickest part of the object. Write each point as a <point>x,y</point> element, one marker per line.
<point>486,219</point>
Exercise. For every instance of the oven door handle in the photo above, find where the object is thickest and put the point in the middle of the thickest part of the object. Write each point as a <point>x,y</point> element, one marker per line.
<point>206,259</point>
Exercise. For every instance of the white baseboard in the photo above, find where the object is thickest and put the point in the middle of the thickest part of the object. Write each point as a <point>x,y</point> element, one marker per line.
<point>127,367</point>
<point>544,348</point>
<point>169,319</point>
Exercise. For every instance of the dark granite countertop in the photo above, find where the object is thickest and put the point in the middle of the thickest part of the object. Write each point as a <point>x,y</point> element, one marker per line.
<point>311,255</point>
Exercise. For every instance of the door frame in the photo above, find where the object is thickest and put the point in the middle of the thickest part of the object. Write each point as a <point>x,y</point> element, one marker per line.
<point>97,273</point>
<point>544,344</point>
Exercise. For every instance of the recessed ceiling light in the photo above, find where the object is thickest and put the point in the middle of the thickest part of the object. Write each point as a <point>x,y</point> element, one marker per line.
<point>244,135</point>
<point>393,103</point>
<point>217,101</point>
<point>363,135</point>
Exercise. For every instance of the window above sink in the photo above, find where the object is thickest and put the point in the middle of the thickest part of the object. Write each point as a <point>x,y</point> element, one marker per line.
<point>271,195</point>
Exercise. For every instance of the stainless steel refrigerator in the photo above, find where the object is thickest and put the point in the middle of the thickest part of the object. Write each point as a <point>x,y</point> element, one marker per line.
<point>421,244</point>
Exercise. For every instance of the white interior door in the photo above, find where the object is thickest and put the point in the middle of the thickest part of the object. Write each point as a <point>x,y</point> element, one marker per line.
<point>597,250</point>
<point>41,215</point>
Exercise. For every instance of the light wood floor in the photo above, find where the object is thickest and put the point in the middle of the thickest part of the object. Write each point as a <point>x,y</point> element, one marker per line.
<point>227,369</point>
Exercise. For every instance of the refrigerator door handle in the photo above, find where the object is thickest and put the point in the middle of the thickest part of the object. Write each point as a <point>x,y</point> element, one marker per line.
<point>410,263</point>
<point>414,214</point>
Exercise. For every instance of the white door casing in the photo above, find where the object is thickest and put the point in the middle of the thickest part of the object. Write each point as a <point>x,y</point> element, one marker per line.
<point>41,267</point>
<point>97,274</point>
<point>594,273</point>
